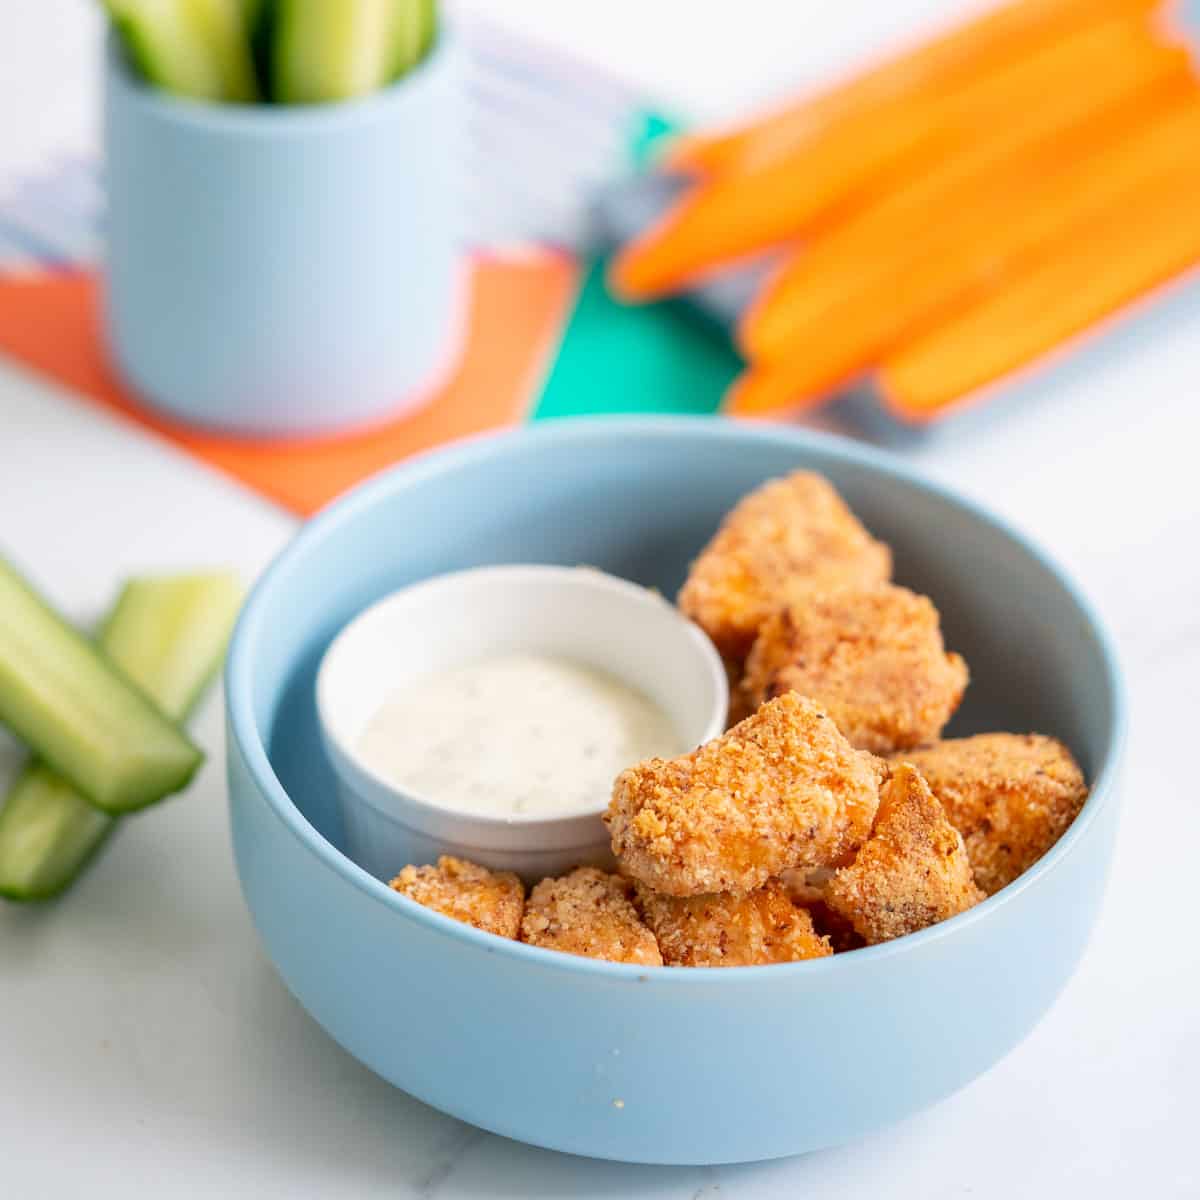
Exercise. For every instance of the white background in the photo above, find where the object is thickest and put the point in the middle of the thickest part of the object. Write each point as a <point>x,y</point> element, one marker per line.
<point>147,1042</point>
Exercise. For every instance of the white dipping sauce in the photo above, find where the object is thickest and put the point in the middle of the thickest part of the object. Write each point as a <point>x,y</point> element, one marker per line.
<point>515,734</point>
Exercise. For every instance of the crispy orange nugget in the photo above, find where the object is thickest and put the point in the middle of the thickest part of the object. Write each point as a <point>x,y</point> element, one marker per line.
<point>726,930</point>
<point>1010,795</point>
<point>788,538</point>
<point>591,913</point>
<point>807,888</point>
<point>912,871</point>
<point>489,900</point>
<point>782,789</point>
<point>874,659</point>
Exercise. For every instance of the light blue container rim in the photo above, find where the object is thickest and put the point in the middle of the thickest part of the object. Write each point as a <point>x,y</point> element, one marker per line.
<point>272,120</point>
<point>561,437</point>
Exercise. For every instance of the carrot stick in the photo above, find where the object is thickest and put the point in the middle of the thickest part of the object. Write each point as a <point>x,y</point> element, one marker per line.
<point>990,42</point>
<point>971,187</point>
<point>974,256</point>
<point>723,220</point>
<point>1153,237</point>
<point>730,217</point>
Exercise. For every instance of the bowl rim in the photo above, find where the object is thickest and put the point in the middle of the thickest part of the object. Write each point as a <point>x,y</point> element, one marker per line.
<point>559,435</point>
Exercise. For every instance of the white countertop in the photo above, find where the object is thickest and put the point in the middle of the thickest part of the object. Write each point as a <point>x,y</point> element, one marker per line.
<point>147,1042</point>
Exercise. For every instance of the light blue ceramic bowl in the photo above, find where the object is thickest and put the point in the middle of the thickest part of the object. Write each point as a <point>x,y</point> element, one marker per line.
<point>657,1065</point>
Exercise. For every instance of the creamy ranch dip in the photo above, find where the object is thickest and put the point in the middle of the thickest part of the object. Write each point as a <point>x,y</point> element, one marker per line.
<point>515,734</point>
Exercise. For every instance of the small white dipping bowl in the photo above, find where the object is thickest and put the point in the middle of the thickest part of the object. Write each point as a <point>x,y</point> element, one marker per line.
<point>570,612</point>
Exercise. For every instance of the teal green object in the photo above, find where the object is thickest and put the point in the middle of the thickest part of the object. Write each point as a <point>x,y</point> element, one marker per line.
<point>651,128</point>
<point>618,358</point>
<point>658,1064</point>
<point>646,358</point>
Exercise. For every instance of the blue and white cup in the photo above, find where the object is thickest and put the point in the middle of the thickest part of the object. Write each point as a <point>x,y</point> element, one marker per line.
<point>285,271</point>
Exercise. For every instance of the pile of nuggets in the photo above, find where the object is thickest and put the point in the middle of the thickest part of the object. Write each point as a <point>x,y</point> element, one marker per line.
<point>831,815</point>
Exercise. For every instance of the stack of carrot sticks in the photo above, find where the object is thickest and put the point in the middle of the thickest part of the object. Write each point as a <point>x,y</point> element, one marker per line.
<point>949,216</point>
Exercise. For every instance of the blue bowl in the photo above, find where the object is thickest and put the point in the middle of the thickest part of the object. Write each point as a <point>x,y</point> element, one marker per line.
<point>658,1065</point>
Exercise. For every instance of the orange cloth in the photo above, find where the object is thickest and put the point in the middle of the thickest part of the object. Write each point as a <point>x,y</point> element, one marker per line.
<point>518,306</point>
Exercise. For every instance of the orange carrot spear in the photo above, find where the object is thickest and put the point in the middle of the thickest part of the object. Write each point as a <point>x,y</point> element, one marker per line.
<point>730,217</point>
<point>990,42</point>
<point>973,255</point>
<point>1153,237</point>
<point>972,185</point>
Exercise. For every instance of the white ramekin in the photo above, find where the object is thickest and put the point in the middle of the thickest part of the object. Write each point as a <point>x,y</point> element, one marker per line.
<point>439,623</point>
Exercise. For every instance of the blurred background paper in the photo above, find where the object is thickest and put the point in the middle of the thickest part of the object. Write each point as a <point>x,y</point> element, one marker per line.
<point>556,154</point>
<point>546,339</point>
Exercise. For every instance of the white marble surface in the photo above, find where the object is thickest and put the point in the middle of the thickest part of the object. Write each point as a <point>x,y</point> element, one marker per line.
<point>148,1047</point>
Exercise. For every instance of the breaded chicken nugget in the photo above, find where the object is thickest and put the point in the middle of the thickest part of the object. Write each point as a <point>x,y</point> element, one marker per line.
<point>912,871</point>
<point>873,659</point>
<point>589,912</point>
<point>806,887</point>
<point>726,930</point>
<point>835,928</point>
<point>782,789</point>
<point>785,539</point>
<point>1010,795</point>
<point>490,900</point>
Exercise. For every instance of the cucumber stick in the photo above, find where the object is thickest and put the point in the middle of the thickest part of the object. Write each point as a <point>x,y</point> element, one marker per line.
<point>63,698</point>
<point>336,49</point>
<point>168,635</point>
<point>48,834</point>
<point>197,48</point>
<point>428,11</point>
<point>412,33</point>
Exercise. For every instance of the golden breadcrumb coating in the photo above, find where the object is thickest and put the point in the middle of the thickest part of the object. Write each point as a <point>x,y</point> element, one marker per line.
<point>490,900</point>
<point>912,871</point>
<point>806,885</point>
<point>873,659</point>
<point>726,930</point>
<point>782,789</point>
<point>789,537</point>
<point>1010,795</point>
<point>589,912</point>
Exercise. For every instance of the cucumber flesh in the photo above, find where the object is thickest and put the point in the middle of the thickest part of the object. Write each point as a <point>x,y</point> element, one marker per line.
<point>409,35</point>
<point>79,713</point>
<point>168,635</point>
<point>331,49</point>
<point>196,48</point>
<point>428,11</point>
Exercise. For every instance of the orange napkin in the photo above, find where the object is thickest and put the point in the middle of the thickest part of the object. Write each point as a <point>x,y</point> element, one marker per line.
<point>518,306</point>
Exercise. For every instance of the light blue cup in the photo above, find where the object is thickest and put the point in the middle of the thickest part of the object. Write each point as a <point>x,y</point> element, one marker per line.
<point>657,1065</point>
<point>284,270</point>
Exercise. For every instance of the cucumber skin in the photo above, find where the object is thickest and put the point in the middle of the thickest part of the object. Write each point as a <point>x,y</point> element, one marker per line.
<point>429,27</point>
<point>410,34</point>
<point>180,757</point>
<point>38,775</point>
